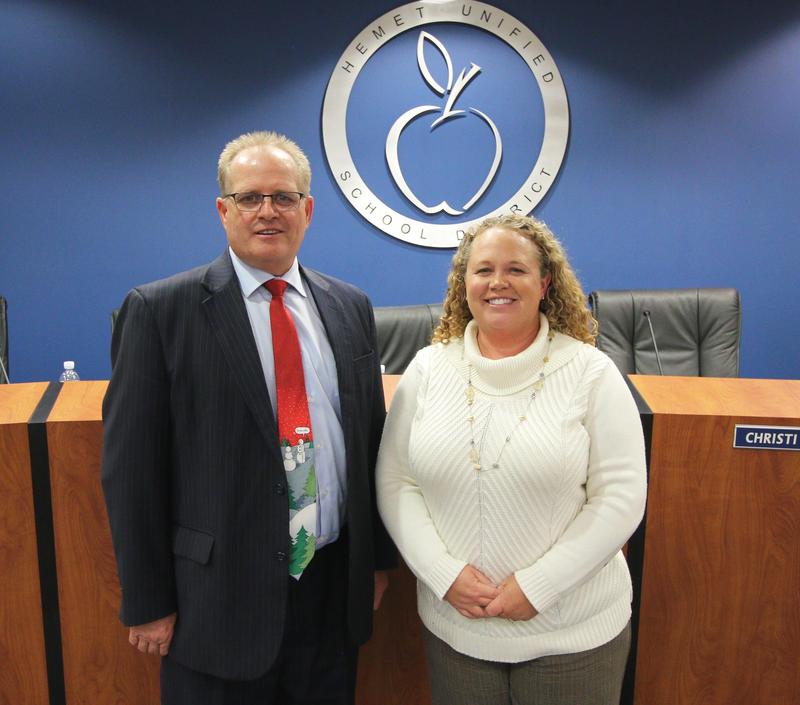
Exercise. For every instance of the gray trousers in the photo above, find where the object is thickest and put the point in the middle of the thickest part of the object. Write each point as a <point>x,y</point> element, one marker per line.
<point>592,677</point>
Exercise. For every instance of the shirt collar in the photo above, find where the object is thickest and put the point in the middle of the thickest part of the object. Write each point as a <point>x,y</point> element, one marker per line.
<point>252,279</point>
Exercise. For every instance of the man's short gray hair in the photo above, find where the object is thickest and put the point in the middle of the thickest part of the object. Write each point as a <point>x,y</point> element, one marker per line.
<point>264,139</point>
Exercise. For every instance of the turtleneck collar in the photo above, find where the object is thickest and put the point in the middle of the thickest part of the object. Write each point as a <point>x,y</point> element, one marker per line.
<point>510,375</point>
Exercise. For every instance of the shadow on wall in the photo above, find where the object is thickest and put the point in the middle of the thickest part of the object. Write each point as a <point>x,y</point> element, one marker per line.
<point>657,47</point>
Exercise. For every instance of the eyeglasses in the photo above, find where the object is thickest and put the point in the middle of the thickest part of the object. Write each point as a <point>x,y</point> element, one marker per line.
<point>250,201</point>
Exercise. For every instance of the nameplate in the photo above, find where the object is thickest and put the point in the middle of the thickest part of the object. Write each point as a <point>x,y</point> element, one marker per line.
<point>767,437</point>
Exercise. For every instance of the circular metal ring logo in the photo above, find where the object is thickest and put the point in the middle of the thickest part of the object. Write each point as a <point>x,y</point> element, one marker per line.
<point>449,82</point>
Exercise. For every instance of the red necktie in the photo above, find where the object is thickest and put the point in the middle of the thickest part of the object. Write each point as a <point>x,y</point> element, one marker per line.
<point>294,430</point>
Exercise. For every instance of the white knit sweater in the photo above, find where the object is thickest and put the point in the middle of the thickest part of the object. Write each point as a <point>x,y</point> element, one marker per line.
<point>568,492</point>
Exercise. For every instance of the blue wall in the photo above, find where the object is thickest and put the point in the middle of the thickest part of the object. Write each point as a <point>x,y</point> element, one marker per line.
<point>682,168</point>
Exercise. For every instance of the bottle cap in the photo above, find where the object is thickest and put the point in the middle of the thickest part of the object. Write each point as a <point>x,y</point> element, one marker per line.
<point>69,364</point>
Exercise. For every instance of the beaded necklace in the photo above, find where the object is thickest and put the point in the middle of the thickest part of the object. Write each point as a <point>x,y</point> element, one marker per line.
<point>476,448</point>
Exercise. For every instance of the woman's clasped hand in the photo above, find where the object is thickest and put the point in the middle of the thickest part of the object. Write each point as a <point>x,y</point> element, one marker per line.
<point>475,596</point>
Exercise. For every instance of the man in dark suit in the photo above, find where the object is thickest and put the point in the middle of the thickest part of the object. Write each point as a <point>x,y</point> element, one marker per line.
<point>193,472</point>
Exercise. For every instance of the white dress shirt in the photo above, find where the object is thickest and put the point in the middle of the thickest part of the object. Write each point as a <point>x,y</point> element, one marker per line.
<point>322,388</point>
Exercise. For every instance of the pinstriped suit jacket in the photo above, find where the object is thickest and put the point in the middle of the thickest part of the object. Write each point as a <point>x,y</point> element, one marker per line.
<point>193,475</point>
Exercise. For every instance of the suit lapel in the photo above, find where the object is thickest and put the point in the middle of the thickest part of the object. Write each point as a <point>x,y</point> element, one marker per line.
<point>333,318</point>
<point>227,315</point>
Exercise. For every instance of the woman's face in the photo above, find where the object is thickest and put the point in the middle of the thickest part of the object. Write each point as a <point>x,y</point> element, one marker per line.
<point>503,283</point>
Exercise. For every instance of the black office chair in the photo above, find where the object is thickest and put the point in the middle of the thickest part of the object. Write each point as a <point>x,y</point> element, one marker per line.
<point>402,331</point>
<point>695,331</point>
<point>4,379</point>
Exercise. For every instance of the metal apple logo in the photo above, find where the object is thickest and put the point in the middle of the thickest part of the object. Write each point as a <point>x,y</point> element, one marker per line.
<point>447,112</point>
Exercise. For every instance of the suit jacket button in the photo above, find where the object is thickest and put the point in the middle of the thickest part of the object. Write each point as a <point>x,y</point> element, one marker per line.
<point>280,556</point>
<point>280,488</point>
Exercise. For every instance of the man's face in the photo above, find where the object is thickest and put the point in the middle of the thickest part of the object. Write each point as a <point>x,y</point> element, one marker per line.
<point>267,239</point>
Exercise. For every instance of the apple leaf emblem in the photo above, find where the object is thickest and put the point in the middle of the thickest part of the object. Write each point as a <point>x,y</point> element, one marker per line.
<point>447,111</point>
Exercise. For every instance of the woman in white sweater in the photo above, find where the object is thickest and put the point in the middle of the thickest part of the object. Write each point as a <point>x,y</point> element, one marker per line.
<point>511,472</point>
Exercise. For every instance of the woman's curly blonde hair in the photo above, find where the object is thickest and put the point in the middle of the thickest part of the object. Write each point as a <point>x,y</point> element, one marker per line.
<point>564,303</point>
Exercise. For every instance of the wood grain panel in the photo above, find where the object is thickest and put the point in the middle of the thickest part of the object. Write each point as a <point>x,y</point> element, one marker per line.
<point>720,616</point>
<point>720,396</point>
<point>391,667</point>
<point>23,679</point>
<point>99,664</point>
<point>390,383</point>
<point>79,402</point>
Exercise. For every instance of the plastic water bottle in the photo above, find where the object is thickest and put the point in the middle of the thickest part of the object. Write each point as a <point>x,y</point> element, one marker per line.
<point>69,374</point>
